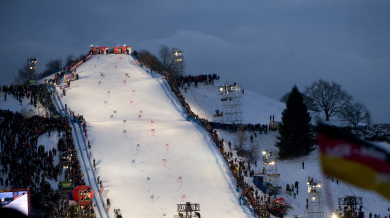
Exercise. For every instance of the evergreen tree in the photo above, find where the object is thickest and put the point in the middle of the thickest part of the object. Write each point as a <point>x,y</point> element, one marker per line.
<point>295,138</point>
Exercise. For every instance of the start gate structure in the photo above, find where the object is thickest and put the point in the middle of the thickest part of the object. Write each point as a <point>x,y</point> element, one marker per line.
<point>232,104</point>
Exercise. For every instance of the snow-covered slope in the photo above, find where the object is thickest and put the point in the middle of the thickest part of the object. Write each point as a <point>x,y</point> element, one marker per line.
<point>158,144</point>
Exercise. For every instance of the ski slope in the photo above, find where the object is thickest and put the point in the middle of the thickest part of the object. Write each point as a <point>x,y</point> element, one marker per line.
<point>177,156</point>
<point>161,160</point>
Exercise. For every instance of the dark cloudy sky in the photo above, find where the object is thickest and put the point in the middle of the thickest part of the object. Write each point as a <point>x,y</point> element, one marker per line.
<point>268,46</point>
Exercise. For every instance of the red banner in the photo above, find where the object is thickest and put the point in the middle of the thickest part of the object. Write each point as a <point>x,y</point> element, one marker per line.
<point>88,57</point>
<point>76,65</point>
<point>137,62</point>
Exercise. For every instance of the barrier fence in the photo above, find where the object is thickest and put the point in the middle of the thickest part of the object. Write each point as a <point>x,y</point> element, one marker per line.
<point>71,121</point>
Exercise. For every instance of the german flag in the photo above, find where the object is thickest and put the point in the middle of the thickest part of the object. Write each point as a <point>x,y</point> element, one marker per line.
<point>353,160</point>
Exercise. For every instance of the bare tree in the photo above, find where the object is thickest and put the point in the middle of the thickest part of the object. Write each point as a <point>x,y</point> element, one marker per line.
<point>168,61</point>
<point>240,139</point>
<point>51,67</point>
<point>69,59</point>
<point>149,60</point>
<point>253,152</point>
<point>166,57</point>
<point>368,117</point>
<point>328,97</point>
<point>24,75</point>
<point>355,113</point>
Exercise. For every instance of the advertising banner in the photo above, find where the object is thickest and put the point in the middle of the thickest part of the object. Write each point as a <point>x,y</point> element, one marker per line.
<point>66,184</point>
<point>76,65</point>
<point>68,77</point>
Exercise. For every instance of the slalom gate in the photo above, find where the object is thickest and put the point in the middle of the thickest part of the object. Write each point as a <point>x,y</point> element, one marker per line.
<point>219,159</point>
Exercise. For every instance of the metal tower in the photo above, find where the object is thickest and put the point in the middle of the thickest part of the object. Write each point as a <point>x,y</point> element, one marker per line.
<point>31,68</point>
<point>188,210</point>
<point>314,205</point>
<point>178,57</point>
<point>272,176</point>
<point>351,207</point>
<point>232,105</point>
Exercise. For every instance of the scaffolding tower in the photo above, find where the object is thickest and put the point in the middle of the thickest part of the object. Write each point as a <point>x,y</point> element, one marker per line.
<point>314,205</point>
<point>178,58</point>
<point>188,210</point>
<point>31,68</point>
<point>232,105</point>
<point>272,176</point>
<point>351,207</point>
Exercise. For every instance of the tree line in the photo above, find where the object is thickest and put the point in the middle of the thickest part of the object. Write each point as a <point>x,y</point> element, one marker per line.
<point>165,62</point>
<point>52,66</point>
<point>296,135</point>
<point>330,99</point>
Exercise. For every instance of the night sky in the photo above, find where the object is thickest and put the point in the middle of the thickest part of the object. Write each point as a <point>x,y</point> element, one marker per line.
<point>267,46</point>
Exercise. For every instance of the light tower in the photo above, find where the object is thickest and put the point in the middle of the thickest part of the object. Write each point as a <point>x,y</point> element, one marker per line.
<point>314,205</point>
<point>232,106</point>
<point>31,68</point>
<point>177,54</point>
<point>272,176</point>
<point>178,58</point>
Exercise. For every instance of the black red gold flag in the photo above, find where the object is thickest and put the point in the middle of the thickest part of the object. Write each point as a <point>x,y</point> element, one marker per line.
<point>353,160</point>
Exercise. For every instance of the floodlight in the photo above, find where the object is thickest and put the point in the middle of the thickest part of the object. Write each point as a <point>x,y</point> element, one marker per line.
<point>313,198</point>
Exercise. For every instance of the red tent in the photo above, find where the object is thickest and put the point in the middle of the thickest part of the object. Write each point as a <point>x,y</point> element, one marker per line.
<point>122,49</point>
<point>99,50</point>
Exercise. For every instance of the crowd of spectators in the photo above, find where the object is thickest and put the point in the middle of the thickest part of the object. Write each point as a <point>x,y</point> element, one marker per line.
<point>25,163</point>
<point>239,168</point>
